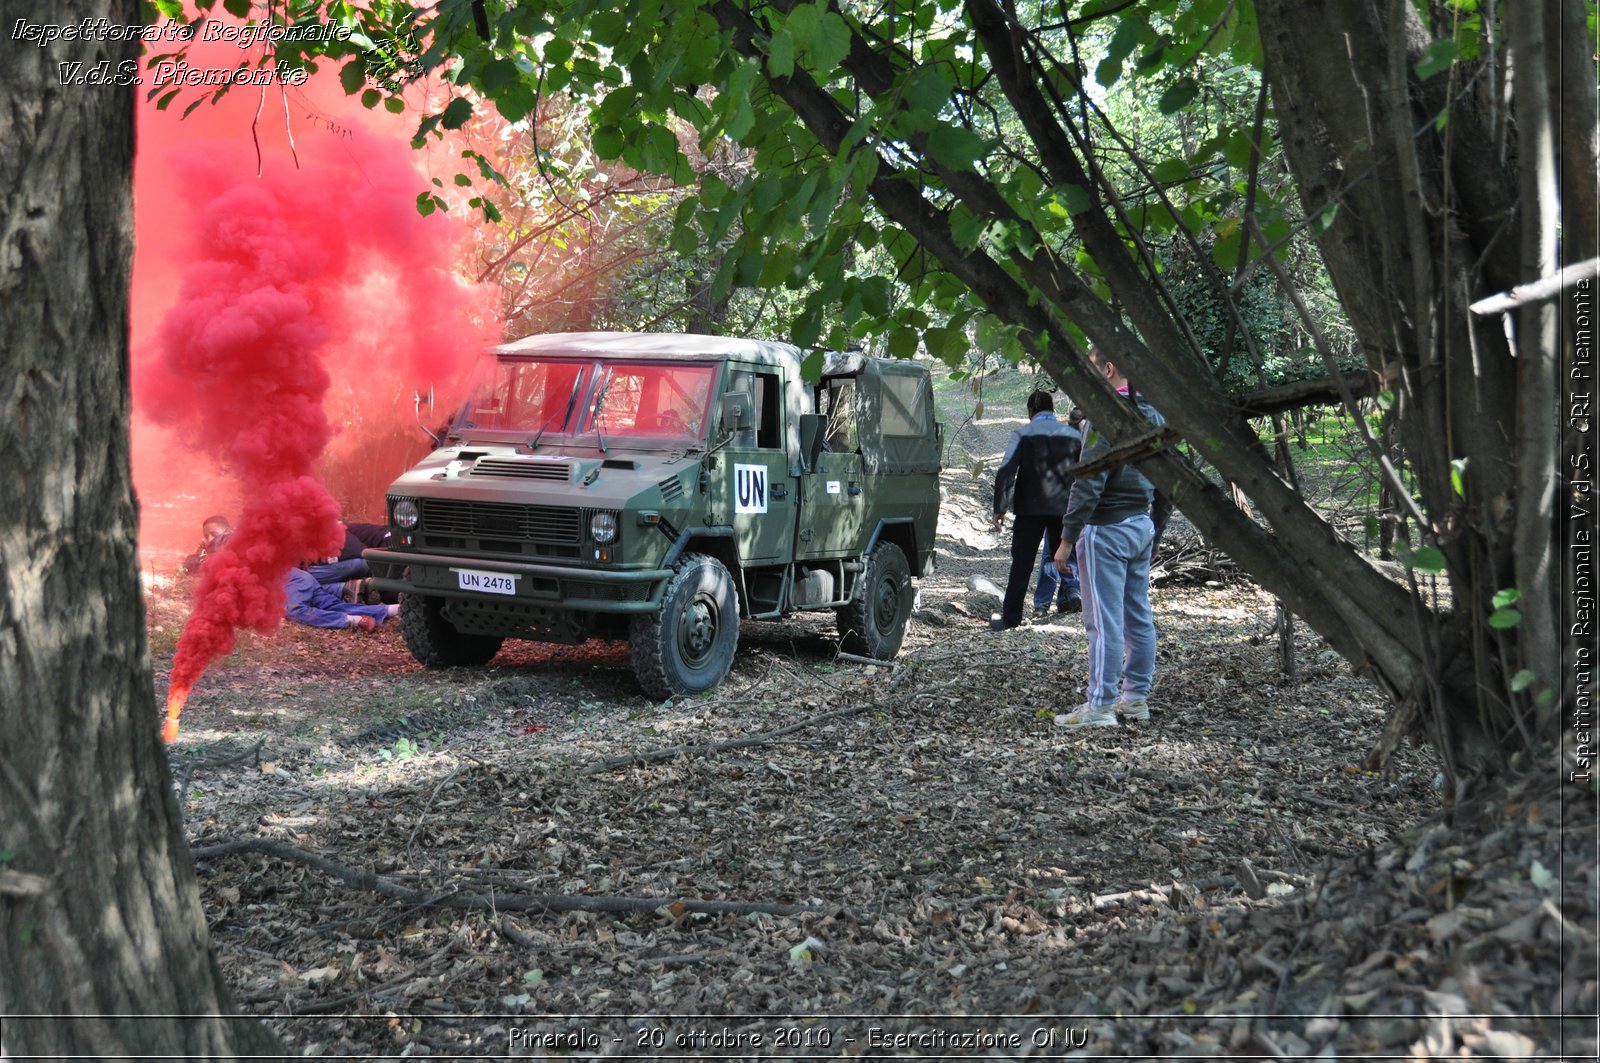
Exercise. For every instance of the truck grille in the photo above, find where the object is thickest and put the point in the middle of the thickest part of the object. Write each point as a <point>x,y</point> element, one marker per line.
<point>499,520</point>
<point>522,469</point>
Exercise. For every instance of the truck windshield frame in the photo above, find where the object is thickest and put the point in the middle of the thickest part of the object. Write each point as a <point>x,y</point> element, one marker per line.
<point>647,403</point>
<point>653,402</point>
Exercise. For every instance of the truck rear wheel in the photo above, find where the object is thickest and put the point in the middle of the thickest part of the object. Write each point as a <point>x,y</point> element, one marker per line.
<point>688,646</point>
<point>435,642</point>
<point>874,623</point>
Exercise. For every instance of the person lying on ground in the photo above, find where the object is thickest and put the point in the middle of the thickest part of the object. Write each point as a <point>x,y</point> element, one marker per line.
<point>320,603</point>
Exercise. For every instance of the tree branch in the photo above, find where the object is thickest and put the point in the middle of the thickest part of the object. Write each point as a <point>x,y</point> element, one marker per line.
<point>1323,390</point>
<point>1140,446</point>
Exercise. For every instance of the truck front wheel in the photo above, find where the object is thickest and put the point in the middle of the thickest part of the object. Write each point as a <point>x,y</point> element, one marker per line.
<point>435,642</point>
<point>874,623</point>
<point>688,646</point>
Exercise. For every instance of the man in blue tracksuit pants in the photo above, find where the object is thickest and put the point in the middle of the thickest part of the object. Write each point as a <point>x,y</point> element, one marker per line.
<point>1113,517</point>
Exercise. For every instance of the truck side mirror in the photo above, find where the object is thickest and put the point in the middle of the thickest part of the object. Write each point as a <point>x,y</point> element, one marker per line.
<point>812,427</point>
<point>738,412</point>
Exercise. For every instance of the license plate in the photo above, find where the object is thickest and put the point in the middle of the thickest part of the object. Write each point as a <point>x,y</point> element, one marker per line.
<point>486,582</point>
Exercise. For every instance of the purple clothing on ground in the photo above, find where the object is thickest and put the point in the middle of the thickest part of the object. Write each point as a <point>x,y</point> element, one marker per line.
<point>318,604</point>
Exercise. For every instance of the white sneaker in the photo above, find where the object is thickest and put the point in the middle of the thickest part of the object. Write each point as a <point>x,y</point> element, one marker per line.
<point>1088,716</point>
<point>1134,710</point>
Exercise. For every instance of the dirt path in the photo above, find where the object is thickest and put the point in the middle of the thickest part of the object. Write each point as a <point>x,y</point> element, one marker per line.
<point>1225,880</point>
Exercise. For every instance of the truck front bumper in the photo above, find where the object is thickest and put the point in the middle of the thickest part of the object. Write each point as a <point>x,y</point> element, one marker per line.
<point>536,586</point>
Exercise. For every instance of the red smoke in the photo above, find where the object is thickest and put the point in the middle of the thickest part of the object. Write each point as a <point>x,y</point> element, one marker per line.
<point>311,301</point>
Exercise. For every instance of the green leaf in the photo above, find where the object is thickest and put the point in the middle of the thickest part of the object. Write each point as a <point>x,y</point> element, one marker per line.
<point>394,105</point>
<point>1066,200</point>
<point>927,90</point>
<point>1178,96</point>
<point>1385,400</point>
<point>1522,680</point>
<point>1505,598</point>
<point>1170,171</point>
<point>353,76</point>
<point>533,976</point>
<point>425,204</point>
<point>237,8</point>
<point>1324,220</point>
<point>515,102</point>
<point>1439,56</point>
<point>949,345</point>
<point>956,147</point>
<point>557,51</point>
<point>802,25</point>
<point>903,342</point>
<point>831,44</point>
<point>811,368</point>
<point>1503,619</point>
<point>1428,559</point>
<point>1540,875</point>
<point>456,113</point>
<point>371,98</point>
<point>780,53</point>
<point>1458,476</point>
<point>608,142</point>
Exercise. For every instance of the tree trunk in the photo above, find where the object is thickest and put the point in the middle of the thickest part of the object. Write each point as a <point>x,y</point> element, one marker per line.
<point>1429,220</point>
<point>99,911</point>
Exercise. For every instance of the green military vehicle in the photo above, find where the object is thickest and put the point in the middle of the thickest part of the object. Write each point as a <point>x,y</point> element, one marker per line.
<point>662,489</point>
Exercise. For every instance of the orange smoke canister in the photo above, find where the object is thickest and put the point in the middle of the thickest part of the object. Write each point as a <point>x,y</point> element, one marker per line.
<point>175,702</point>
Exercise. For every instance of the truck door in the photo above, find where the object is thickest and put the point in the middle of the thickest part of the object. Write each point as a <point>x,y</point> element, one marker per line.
<point>749,483</point>
<point>833,507</point>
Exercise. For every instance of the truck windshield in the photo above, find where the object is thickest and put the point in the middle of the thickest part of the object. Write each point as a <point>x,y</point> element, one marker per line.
<point>660,403</point>
<point>522,395</point>
<point>655,401</point>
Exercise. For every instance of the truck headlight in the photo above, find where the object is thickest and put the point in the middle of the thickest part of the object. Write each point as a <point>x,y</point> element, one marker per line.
<point>406,513</point>
<point>603,528</point>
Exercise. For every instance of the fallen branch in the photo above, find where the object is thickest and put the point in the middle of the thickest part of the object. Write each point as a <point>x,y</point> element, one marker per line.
<point>1318,391</point>
<point>494,901</point>
<point>857,659</point>
<point>1144,445</point>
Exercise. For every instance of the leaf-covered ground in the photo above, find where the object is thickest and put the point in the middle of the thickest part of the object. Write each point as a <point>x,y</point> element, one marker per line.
<point>535,859</point>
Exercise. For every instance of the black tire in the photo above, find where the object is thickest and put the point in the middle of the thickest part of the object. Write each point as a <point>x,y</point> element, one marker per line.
<point>688,646</point>
<point>435,642</point>
<point>874,623</point>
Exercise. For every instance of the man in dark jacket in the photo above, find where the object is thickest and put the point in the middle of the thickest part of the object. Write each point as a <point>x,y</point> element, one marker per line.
<point>1032,482</point>
<point>1113,517</point>
<point>214,531</point>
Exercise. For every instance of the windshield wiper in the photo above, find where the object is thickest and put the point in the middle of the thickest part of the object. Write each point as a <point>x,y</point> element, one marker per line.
<point>572,400</point>
<point>599,409</point>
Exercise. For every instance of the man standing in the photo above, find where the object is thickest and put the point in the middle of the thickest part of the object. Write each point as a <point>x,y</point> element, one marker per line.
<point>1049,586</point>
<point>1113,517</point>
<point>1032,482</point>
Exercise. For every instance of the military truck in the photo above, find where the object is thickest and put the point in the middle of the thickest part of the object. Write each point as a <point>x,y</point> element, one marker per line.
<point>663,489</point>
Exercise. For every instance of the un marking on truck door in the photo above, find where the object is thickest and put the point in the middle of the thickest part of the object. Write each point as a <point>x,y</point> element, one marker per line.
<point>749,488</point>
